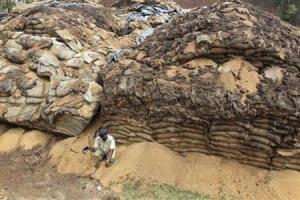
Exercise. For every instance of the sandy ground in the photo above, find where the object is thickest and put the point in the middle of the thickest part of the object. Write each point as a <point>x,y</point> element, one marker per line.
<point>205,174</point>
<point>29,175</point>
<point>60,171</point>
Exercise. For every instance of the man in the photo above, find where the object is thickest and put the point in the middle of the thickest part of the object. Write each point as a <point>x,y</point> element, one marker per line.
<point>104,147</point>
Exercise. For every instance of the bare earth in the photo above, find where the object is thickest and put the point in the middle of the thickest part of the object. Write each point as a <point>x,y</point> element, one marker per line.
<point>28,175</point>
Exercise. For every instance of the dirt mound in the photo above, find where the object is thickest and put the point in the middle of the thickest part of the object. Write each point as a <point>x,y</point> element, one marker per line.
<point>10,140</point>
<point>67,156</point>
<point>143,160</point>
<point>17,138</point>
<point>59,149</point>
<point>33,139</point>
<point>197,172</point>
<point>152,162</point>
<point>222,80</point>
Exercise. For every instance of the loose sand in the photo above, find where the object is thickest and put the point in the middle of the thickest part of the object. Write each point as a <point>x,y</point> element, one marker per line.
<point>195,172</point>
<point>10,140</point>
<point>67,155</point>
<point>33,139</point>
<point>238,74</point>
<point>154,162</point>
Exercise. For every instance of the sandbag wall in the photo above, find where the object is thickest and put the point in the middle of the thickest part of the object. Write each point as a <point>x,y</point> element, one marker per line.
<point>256,143</point>
<point>220,80</point>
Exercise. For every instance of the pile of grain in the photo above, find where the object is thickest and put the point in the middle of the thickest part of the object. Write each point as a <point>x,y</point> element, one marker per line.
<point>13,139</point>
<point>197,172</point>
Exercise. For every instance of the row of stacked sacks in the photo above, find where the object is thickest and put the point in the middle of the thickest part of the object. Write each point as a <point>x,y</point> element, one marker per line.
<point>268,142</point>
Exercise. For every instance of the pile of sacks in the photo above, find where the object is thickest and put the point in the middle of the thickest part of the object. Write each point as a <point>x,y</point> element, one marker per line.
<point>221,80</point>
<point>49,65</point>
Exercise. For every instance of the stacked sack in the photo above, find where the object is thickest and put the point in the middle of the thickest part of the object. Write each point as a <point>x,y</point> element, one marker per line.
<point>221,80</point>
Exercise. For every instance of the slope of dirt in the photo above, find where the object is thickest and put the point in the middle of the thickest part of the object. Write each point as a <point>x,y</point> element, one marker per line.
<point>31,175</point>
<point>10,140</point>
<point>197,172</point>
<point>67,157</point>
<point>150,162</point>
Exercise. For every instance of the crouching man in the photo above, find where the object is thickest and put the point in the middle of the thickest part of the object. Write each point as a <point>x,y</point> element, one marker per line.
<point>104,147</point>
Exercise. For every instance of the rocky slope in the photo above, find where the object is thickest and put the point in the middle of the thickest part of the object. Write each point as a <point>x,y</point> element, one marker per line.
<point>220,80</point>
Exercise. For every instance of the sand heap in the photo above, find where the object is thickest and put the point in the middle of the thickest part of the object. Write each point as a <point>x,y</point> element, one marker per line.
<point>152,162</point>
<point>12,139</point>
<point>49,65</point>
<point>221,80</point>
<point>66,155</point>
<point>147,162</point>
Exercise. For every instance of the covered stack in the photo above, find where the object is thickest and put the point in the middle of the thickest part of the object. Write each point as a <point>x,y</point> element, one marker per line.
<point>221,80</point>
<point>49,65</point>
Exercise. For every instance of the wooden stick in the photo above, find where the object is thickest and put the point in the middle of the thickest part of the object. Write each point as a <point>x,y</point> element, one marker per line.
<point>90,147</point>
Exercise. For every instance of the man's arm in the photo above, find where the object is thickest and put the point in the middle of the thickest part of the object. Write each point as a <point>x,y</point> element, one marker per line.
<point>109,155</point>
<point>91,148</point>
<point>112,147</point>
<point>96,145</point>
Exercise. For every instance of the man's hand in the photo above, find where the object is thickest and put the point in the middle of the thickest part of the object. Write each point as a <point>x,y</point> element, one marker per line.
<point>107,163</point>
<point>85,149</point>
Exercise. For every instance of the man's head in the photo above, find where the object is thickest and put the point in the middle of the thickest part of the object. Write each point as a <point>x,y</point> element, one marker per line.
<point>102,132</point>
